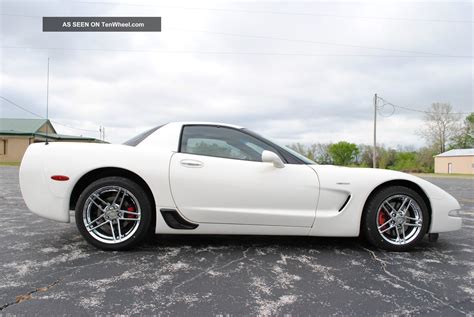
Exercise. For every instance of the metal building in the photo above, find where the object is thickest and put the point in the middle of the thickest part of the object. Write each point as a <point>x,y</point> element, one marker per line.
<point>459,161</point>
<point>17,134</point>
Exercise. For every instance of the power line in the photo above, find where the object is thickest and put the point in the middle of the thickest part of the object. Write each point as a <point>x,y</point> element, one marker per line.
<point>21,107</point>
<point>287,39</point>
<point>387,103</point>
<point>230,52</point>
<point>307,41</point>
<point>276,12</point>
<point>68,126</point>
<point>39,116</point>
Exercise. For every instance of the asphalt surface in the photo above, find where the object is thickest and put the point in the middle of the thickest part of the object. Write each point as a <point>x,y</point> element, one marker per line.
<point>46,268</point>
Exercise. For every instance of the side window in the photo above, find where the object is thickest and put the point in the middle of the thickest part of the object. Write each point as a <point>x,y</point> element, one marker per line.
<point>213,147</point>
<point>222,142</point>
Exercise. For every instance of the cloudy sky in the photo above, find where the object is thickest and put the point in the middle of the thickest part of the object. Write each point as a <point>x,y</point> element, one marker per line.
<point>293,71</point>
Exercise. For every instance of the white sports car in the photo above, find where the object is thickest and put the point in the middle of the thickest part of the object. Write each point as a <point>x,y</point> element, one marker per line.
<point>212,178</point>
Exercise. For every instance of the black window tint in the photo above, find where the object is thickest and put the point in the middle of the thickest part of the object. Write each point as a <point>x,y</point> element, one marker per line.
<point>222,142</point>
<point>139,138</point>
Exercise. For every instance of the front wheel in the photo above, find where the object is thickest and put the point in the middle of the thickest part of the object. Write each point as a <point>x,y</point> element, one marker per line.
<point>396,218</point>
<point>113,213</point>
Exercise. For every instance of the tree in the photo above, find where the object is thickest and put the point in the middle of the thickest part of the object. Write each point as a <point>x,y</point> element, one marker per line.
<point>343,153</point>
<point>321,153</point>
<point>365,155</point>
<point>441,125</point>
<point>300,148</point>
<point>464,138</point>
<point>317,152</point>
<point>425,159</point>
<point>406,162</point>
<point>385,156</point>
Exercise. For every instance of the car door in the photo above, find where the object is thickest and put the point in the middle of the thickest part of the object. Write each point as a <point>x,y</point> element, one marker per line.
<point>217,176</point>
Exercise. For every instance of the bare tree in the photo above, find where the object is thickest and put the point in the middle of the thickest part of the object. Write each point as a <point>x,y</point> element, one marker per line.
<point>441,124</point>
<point>321,153</point>
<point>317,152</point>
<point>298,147</point>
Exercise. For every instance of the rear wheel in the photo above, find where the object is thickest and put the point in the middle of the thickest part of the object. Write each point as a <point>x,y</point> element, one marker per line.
<point>396,218</point>
<point>113,213</point>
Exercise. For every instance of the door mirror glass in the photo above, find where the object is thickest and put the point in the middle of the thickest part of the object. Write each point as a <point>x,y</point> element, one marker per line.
<point>270,157</point>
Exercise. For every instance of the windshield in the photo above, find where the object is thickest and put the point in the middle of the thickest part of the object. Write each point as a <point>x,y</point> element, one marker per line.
<point>139,138</point>
<point>298,155</point>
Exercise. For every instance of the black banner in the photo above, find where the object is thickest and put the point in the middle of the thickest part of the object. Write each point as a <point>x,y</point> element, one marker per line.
<point>101,24</point>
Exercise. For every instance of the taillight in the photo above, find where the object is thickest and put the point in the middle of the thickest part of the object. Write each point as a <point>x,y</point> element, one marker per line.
<point>60,178</point>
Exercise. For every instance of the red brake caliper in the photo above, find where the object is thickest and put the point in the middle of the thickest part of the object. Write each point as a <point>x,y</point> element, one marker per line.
<point>382,217</point>
<point>129,215</point>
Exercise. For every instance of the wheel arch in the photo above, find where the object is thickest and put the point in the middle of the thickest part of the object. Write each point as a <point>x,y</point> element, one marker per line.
<point>99,173</point>
<point>399,182</point>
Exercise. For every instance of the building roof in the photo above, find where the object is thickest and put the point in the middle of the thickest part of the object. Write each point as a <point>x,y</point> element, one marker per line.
<point>31,127</point>
<point>55,136</point>
<point>457,152</point>
<point>21,125</point>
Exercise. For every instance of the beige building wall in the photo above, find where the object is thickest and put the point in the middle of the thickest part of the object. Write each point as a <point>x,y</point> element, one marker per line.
<point>459,164</point>
<point>46,128</point>
<point>13,148</point>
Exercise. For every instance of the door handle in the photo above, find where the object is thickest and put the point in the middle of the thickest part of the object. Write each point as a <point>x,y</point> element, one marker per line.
<point>191,163</point>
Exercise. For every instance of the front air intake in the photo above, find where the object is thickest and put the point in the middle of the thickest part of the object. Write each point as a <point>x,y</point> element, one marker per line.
<point>345,203</point>
<point>174,220</point>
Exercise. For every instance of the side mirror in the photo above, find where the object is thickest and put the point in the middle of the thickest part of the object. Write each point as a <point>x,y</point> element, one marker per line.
<point>270,157</point>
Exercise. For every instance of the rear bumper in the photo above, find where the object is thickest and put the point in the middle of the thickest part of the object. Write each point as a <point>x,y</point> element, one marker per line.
<point>37,191</point>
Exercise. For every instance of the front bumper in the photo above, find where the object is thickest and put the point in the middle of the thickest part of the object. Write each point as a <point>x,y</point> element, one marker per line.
<point>441,220</point>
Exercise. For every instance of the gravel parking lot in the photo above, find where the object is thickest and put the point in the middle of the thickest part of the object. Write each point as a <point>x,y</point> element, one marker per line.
<point>47,268</point>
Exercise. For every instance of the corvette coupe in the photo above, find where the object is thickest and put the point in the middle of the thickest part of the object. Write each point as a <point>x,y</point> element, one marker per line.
<point>213,178</point>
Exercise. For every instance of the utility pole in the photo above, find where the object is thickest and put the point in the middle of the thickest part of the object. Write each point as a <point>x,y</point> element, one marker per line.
<point>374,154</point>
<point>47,103</point>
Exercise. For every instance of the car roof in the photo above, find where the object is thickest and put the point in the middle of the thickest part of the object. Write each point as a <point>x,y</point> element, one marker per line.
<point>208,123</point>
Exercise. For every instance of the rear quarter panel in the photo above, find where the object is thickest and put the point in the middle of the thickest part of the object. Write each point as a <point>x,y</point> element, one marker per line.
<point>50,199</point>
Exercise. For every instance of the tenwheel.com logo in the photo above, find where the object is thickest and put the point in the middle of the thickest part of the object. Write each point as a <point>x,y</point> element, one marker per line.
<point>101,24</point>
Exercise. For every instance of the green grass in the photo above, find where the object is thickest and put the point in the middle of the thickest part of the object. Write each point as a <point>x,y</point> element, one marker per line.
<point>468,176</point>
<point>10,163</point>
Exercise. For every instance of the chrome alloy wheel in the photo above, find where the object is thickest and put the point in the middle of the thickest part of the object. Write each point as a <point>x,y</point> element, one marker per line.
<point>111,214</point>
<point>399,219</point>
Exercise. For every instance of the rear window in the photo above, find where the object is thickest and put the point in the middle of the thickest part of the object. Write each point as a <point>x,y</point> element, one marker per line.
<point>142,136</point>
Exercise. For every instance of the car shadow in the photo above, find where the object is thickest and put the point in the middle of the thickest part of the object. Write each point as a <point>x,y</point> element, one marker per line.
<point>163,240</point>
<point>159,241</point>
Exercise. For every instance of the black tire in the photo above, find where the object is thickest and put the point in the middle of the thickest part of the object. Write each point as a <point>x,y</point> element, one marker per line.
<point>370,220</point>
<point>145,219</point>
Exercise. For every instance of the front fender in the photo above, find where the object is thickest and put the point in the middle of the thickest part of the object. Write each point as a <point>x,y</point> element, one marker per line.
<point>359,183</point>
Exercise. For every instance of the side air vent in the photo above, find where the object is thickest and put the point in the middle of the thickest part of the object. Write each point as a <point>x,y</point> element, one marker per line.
<point>174,220</point>
<point>345,203</point>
